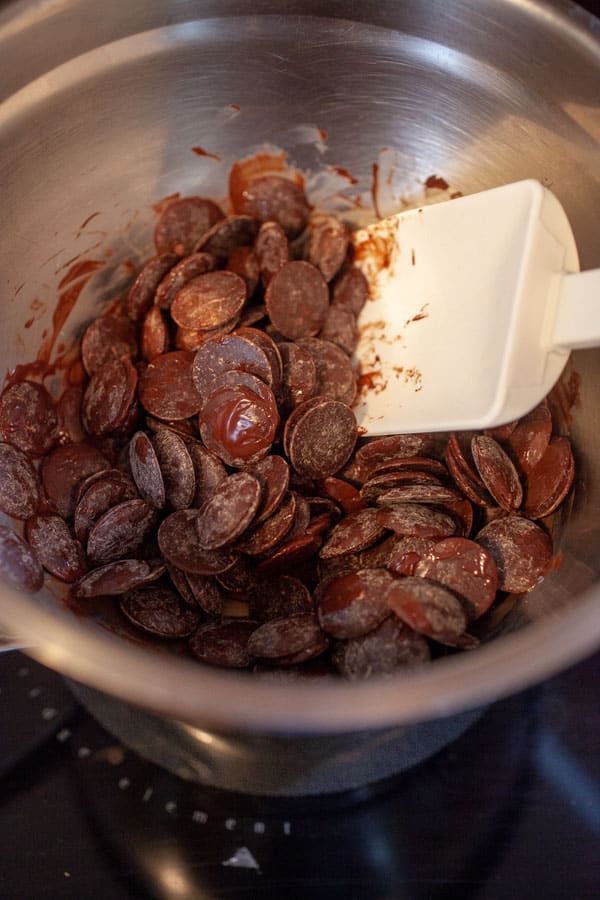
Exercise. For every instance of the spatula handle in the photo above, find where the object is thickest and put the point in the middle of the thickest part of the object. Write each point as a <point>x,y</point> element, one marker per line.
<point>577,323</point>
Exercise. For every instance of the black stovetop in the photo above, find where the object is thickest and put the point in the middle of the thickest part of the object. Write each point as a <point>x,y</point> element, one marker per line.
<point>510,810</point>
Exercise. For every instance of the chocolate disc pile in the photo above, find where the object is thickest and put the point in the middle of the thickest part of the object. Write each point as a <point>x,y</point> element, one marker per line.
<point>208,474</point>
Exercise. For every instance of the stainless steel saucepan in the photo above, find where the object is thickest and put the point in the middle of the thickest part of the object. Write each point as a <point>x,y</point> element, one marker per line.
<point>99,110</point>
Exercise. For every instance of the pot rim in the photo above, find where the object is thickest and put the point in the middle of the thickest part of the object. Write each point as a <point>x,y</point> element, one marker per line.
<point>183,689</point>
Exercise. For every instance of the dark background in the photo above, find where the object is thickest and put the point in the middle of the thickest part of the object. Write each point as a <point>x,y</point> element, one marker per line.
<point>509,810</point>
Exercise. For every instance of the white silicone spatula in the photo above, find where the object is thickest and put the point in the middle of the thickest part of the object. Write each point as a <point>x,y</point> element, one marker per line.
<point>476,303</point>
